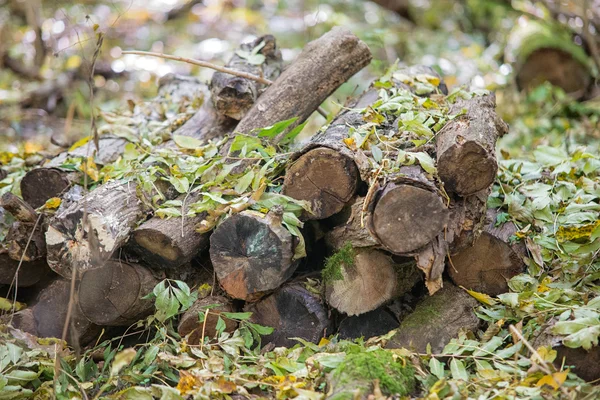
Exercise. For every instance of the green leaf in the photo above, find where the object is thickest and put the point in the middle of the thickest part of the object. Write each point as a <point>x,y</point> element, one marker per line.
<point>275,129</point>
<point>291,135</point>
<point>457,368</point>
<point>220,327</point>
<point>187,142</point>
<point>426,162</point>
<point>586,338</point>
<point>182,185</point>
<point>241,141</point>
<point>239,316</point>
<point>377,153</point>
<point>570,327</point>
<point>436,367</point>
<point>244,182</point>
<point>261,330</point>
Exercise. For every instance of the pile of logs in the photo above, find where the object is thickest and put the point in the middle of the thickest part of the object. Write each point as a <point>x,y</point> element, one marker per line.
<point>381,243</point>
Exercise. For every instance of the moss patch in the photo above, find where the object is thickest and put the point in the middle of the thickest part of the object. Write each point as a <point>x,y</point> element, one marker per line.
<point>359,370</point>
<point>344,258</point>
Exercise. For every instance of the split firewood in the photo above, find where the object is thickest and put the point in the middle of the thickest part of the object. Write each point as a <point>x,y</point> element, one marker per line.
<point>436,320</point>
<point>292,311</point>
<point>466,146</point>
<point>47,316</point>
<point>321,68</point>
<point>373,323</point>
<point>491,261</point>
<point>360,280</point>
<point>87,233</point>
<point>232,95</point>
<point>252,254</point>
<point>112,295</point>
<point>211,307</point>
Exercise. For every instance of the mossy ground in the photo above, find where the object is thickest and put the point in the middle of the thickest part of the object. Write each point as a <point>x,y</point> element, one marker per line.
<point>333,265</point>
<point>396,375</point>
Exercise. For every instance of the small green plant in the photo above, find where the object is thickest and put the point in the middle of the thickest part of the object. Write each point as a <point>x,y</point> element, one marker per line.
<point>171,298</point>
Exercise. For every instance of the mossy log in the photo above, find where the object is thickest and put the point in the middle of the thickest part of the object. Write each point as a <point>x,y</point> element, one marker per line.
<point>47,316</point>
<point>52,180</point>
<point>491,261</point>
<point>360,280</point>
<point>112,294</point>
<point>292,311</point>
<point>584,363</point>
<point>170,243</point>
<point>252,254</point>
<point>360,374</point>
<point>466,146</point>
<point>327,173</point>
<point>233,96</point>
<point>373,323</point>
<point>323,65</point>
<point>87,233</point>
<point>211,308</point>
<point>436,320</point>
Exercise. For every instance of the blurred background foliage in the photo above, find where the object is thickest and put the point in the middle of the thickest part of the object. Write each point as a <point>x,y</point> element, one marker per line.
<point>46,48</point>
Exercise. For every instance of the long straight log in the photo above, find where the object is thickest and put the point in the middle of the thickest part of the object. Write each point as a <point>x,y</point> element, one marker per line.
<point>233,96</point>
<point>112,294</point>
<point>252,254</point>
<point>292,311</point>
<point>466,146</point>
<point>323,65</point>
<point>491,261</point>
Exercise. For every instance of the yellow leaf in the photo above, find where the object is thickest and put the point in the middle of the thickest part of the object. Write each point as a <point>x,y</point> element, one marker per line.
<point>52,203</point>
<point>7,305</point>
<point>186,382</point>
<point>323,342</point>
<point>373,116</point>
<point>547,353</point>
<point>571,233</point>
<point>31,147</point>
<point>481,297</point>
<point>225,386</point>
<point>555,380</point>
<point>80,143</point>
<point>73,62</point>
<point>350,143</point>
<point>90,168</point>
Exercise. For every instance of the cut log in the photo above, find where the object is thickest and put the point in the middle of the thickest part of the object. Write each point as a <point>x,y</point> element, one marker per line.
<point>292,311</point>
<point>47,316</point>
<point>466,146</point>
<point>18,208</point>
<point>404,215</point>
<point>112,294</point>
<point>374,323</point>
<point>436,320</point>
<point>252,254</point>
<point>360,280</point>
<point>24,242</point>
<point>233,96</point>
<point>326,173</point>
<point>29,274</point>
<point>321,68</point>
<point>491,261</point>
<point>169,243</point>
<point>52,180</point>
<point>190,321</point>
<point>112,211</point>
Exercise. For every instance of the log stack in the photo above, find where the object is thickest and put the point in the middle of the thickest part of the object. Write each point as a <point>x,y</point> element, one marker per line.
<point>387,216</point>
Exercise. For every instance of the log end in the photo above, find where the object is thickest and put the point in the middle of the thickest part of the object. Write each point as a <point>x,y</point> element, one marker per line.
<point>41,184</point>
<point>157,248</point>
<point>323,177</point>
<point>407,217</point>
<point>190,322</point>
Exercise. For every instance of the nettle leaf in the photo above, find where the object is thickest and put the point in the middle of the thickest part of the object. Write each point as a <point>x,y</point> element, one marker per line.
<point>168,212</point>
<point>426,162</point>
<point>436,367</point>
<point>586,338</point>
<point>275,129</point>
<point>244,182</point>
<point>182,185</point>
<point>570,327</point>
<point>240,316</point>
<point>291,135</point>
<point>187,142</point>
<point>241,141</point>
<point>458,370</point>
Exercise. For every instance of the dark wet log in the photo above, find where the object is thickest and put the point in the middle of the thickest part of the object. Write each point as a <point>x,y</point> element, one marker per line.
<point>22,211</point>
<point>436,320</point>
<point>29,274</point>
<point>112,294</point>
<point>233,96</point>
<point>321,68</point>
<point>401,217</point>
<point>252,254</point>
<point>491,261</point>
<point>326,173</point>
<point>211,308</point>
<point>360,280</point>
<point>292,311</point>
<point>374,323</point>
<point>53,180</point>
<point>169,243</point>
<point>112,210</point>
<point>585,363</point>
<point>47,316</point>
<point>466,146</point>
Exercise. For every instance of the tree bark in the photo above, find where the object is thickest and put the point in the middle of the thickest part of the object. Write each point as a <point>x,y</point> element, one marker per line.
<point>323,65</point>
<point>233,96</point>
<point>112,294</point>
<point>491,261</point>
<point>252,254</point>
<point>112,211</point>
<point>292,311</point>
<point>22,211</point>
<point>190,322</point>
<point>466,146</point>
<point>362,280</point>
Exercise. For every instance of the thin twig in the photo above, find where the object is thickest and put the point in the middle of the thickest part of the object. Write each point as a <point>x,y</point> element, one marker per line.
<point>206,64</point>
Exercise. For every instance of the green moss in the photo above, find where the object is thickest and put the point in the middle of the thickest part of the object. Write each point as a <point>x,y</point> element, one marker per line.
<point>344,258</point>
<point>426,311</point>
<point>359,370</point>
